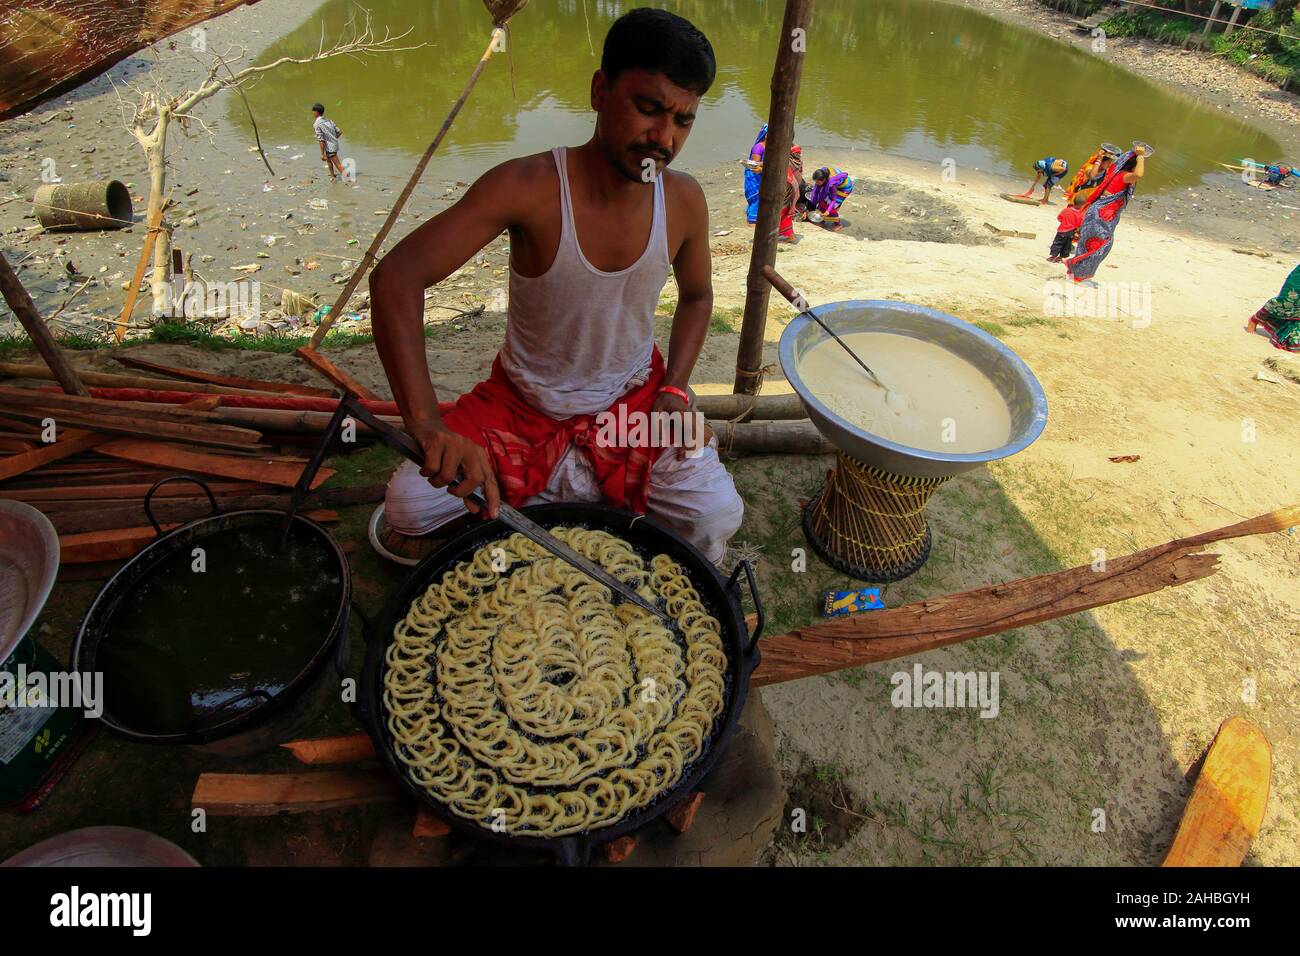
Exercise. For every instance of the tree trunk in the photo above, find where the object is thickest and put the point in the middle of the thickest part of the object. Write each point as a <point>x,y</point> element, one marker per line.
<point>155,151</point>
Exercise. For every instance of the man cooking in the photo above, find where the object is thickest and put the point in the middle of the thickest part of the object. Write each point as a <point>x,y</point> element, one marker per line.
<point>584,284</point>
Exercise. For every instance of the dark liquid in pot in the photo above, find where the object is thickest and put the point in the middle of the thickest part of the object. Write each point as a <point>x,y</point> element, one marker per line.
<point>182,642</point>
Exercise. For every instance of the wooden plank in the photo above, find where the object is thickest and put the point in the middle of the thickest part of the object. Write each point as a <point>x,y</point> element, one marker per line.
<point>114,380</point>
<point>275,794</point>
<point>347,748</point>
<point>87,495</point>
<point>101,515</point>
<point>71,442</point>
<point>267,471</point>
<point>33,398</point>
<point>218,436</point>
<point>858,639</point>
<point>117,544</point>
<point>1227,804</point>
<point>234,381</point>
<point>335,374</point>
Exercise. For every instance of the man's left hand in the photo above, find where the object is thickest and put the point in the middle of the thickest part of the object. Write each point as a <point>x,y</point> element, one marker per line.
<point>667,402</point>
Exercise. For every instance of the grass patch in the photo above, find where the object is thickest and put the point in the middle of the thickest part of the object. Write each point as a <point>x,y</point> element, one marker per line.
<point>181,333</point>
<point>992,328</point>
<point>1287,370</point>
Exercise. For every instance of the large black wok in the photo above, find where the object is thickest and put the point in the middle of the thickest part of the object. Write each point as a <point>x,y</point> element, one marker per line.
<point>721,597</point>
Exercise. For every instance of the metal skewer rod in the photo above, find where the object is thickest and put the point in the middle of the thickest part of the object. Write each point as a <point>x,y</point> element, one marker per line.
<point>798,301</point>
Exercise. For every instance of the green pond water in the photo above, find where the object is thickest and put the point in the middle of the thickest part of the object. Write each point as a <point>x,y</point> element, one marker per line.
<point>918,78</point>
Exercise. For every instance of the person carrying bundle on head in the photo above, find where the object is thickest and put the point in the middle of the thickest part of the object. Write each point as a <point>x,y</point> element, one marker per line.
<point>1091,173</point>
<point>1050,170</point>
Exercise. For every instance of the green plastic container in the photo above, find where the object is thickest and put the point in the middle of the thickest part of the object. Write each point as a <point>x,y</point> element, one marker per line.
<point>33,740</point>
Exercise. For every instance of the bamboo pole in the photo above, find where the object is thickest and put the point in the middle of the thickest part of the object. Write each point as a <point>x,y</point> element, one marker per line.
<point>150,239</point>
<point>25,310</point>
<point>494,43</point>
<point>771,192</point>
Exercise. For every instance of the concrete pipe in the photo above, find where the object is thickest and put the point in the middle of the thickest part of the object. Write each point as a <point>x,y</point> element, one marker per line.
<point>99,205</point>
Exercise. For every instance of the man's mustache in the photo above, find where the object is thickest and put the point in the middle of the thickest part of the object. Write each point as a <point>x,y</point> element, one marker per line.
<point>663,154</point>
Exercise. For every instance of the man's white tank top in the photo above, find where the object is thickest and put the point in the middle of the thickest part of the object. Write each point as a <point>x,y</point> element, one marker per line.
<point>576,337</point>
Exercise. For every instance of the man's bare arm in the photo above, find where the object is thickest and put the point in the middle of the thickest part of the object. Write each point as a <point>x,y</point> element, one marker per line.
<point>424,258</point>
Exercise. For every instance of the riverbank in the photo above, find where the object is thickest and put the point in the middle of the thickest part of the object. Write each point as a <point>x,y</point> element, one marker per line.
<point>1198,72</point>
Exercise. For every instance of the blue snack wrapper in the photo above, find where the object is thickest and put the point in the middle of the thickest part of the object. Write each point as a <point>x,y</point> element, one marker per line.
<point>850,602</point>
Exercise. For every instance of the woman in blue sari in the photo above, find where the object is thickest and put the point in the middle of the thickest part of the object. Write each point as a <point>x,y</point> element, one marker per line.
<point>754,174</point>
<point>1102,214</point>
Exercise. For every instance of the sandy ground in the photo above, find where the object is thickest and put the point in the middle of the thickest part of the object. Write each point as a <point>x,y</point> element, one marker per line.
<point>1102,711</point>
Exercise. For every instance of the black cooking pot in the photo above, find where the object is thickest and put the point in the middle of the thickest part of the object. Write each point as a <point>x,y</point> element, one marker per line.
<point>244,722</point>
<point>721,598</point>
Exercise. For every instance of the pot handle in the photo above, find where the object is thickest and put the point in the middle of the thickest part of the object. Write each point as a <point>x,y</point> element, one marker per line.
<point>758,605</point>
<point>341,652</point>
<point>148,497</point>
<point>193,731</point>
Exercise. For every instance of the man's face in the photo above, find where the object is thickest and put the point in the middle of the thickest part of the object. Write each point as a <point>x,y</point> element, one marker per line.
<point>642,116</point>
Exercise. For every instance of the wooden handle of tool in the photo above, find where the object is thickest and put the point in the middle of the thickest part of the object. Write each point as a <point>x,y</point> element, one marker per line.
<point>785,288</point>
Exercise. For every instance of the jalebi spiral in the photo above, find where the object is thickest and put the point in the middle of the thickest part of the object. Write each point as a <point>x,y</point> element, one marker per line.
<point>519,696</point>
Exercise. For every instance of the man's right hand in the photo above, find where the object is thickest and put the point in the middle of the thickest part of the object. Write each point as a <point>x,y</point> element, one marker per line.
<point>458,464</point>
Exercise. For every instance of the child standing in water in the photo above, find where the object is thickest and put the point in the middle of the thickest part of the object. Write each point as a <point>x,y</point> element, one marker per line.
<point>1070,219</point>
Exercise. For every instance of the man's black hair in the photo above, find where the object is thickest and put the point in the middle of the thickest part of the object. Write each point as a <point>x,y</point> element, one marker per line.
<point>317,108</point>
<point>650,39</point>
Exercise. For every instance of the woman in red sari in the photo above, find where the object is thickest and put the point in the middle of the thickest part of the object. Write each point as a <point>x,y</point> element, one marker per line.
<point>1102,214</point>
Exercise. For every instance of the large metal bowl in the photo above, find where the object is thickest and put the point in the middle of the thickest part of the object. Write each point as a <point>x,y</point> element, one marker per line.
<point>29,562</point>
<point>1012,377</point>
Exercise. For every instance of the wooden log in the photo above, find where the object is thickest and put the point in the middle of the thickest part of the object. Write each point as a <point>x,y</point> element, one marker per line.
<point>617,851</point>
<point>103,515</point>
<point>331,371</point>
<point>264,471</point>
<point>746,407</point>
<point>114,380</point>
<point>786,75</point>
<point>291,422</point>
<point>765,438</point>
<point>234,381</point>
<point>276,794</point>
<point>682,816</point>
<point>13,445</point>
<point>855,640</point>
<point>347,748</point>
<point>32,398</point>
<point>1226,808</point>
<point>25,311</point>
<point>218,436</point>
<point>171,396</point>
<point>427,826</point>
